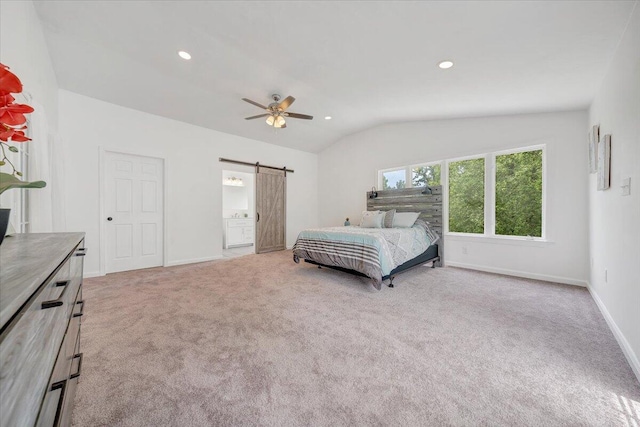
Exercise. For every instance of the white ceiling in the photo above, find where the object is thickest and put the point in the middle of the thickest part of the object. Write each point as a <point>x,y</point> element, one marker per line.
<point>364,63</point>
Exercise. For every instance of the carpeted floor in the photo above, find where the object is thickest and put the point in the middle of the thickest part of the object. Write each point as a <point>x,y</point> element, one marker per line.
<point>259,340</point>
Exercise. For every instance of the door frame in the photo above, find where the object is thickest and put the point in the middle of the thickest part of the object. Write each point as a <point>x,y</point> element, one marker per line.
<point>249,170</point>
<point>103,192</point>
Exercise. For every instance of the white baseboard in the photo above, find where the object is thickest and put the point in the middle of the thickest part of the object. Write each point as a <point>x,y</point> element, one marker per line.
<point>523,274</point>
<point>192,261</point>
<point>632,358</point>
<point>90,274</point>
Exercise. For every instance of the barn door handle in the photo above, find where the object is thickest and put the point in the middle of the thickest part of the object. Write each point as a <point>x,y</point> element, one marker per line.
<point>258,214</point>
<point>109,219</point>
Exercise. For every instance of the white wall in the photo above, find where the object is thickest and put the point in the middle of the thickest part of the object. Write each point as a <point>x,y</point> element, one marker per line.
<point>614,221</point>
<point>194,192</point>
<point>349,168</point>
<point>23,49</point>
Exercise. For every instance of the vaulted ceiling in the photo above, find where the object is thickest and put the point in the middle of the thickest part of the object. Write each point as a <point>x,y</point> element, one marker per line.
<point>363,63</point>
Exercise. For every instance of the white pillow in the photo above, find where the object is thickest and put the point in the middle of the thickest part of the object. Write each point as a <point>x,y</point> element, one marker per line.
<point>405,219</point>
<point>367,213</point>
<point>372,219</point>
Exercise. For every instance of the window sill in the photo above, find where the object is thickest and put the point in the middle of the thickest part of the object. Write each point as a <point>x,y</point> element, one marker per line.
<point>498,240</point>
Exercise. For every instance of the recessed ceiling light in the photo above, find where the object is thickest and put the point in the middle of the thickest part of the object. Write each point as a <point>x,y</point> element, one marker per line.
<point>445,64</point>
<point>327,118</point>
<point>184,55</point>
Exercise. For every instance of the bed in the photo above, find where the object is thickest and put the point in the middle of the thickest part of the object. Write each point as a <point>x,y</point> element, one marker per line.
<point>380,253</point>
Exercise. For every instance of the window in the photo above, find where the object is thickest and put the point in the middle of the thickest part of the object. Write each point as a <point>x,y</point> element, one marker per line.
<point>18,199</point>
<point>410,176</point>
<point>466,196</point>
<point>427,175</point>
<point>394,180</point>
<point>518,194</point>
<point>508,202</point>
<point>24,207</point>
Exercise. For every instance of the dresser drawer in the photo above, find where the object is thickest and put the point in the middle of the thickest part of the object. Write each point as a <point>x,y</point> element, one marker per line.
<point>29,348</point>
<point>58,401</point>
<point>74,377</point>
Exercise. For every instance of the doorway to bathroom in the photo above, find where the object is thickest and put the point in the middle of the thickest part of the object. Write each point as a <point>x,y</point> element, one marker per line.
<point>238,213</point>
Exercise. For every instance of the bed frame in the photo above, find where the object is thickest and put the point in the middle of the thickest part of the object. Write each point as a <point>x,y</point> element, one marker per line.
<point>408,200</point>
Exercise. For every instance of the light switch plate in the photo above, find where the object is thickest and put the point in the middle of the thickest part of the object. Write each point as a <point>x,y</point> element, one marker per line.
<point>626,186</point>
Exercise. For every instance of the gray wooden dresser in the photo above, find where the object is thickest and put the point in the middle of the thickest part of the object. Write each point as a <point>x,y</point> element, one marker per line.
<point>40,310</point>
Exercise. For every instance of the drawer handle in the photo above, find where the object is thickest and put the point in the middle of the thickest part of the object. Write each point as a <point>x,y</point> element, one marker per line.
<point>81,313</point>
<point>77,374</point>
<point>81,252</point>
<point>62,386</point>
<point>56,302</point>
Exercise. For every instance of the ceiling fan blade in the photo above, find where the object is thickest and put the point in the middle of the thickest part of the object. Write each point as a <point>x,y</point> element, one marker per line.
<point>299,116</point>
<point>286,102</point>
<point>257,117</point>
<point>254,103</point>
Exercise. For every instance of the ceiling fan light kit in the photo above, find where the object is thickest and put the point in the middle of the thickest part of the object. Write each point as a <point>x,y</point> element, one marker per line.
<point>276,111</point>
<point>271,120</point>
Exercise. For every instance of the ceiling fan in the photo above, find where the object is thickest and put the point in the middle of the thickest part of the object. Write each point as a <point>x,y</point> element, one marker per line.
<point>276,111</point>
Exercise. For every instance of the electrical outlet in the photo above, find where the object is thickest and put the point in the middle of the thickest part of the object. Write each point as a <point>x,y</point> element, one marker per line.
<point>626,186</point>
<point>464,250</point>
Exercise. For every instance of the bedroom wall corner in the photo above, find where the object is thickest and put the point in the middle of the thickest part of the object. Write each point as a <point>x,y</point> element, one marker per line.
<point>614,219</point>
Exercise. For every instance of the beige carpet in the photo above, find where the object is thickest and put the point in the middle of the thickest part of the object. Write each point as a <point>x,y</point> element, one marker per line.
<point>259,340</point>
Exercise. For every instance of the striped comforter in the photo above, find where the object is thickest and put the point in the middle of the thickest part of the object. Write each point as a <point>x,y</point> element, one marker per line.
<point>375,252</point>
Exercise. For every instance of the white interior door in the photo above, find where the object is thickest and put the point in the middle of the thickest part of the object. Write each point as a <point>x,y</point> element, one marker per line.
<point>133,212</point>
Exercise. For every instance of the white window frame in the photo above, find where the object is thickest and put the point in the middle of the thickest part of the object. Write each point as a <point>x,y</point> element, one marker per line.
<point>23,202</point>
<point>489,233</point>
<point>445,191</point>
<point>408,172</point>
<point>382,171</point>
<point>541,147</point>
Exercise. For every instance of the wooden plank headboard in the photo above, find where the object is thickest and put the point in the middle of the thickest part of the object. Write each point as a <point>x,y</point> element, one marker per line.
<point>412,200</point>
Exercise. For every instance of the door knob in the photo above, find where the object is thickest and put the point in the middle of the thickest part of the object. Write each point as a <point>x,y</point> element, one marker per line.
<point>109,219</point>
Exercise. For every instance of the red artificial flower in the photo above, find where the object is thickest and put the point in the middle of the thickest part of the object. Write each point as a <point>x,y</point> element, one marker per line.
<point>9,82</point>
<point>6,100</point>
<point>13,114</point>
<point>13,134</point>
<point>12,117</point>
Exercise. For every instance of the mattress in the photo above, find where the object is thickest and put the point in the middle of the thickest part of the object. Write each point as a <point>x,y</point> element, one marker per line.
<point>374,252</point>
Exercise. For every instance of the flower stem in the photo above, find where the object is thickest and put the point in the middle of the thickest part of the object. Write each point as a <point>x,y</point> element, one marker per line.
<point>6,159</point>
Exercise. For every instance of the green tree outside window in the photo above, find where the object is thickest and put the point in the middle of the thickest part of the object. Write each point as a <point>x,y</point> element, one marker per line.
<point>425,175</point>
<point>466,196</point>
<point>519,194</point>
